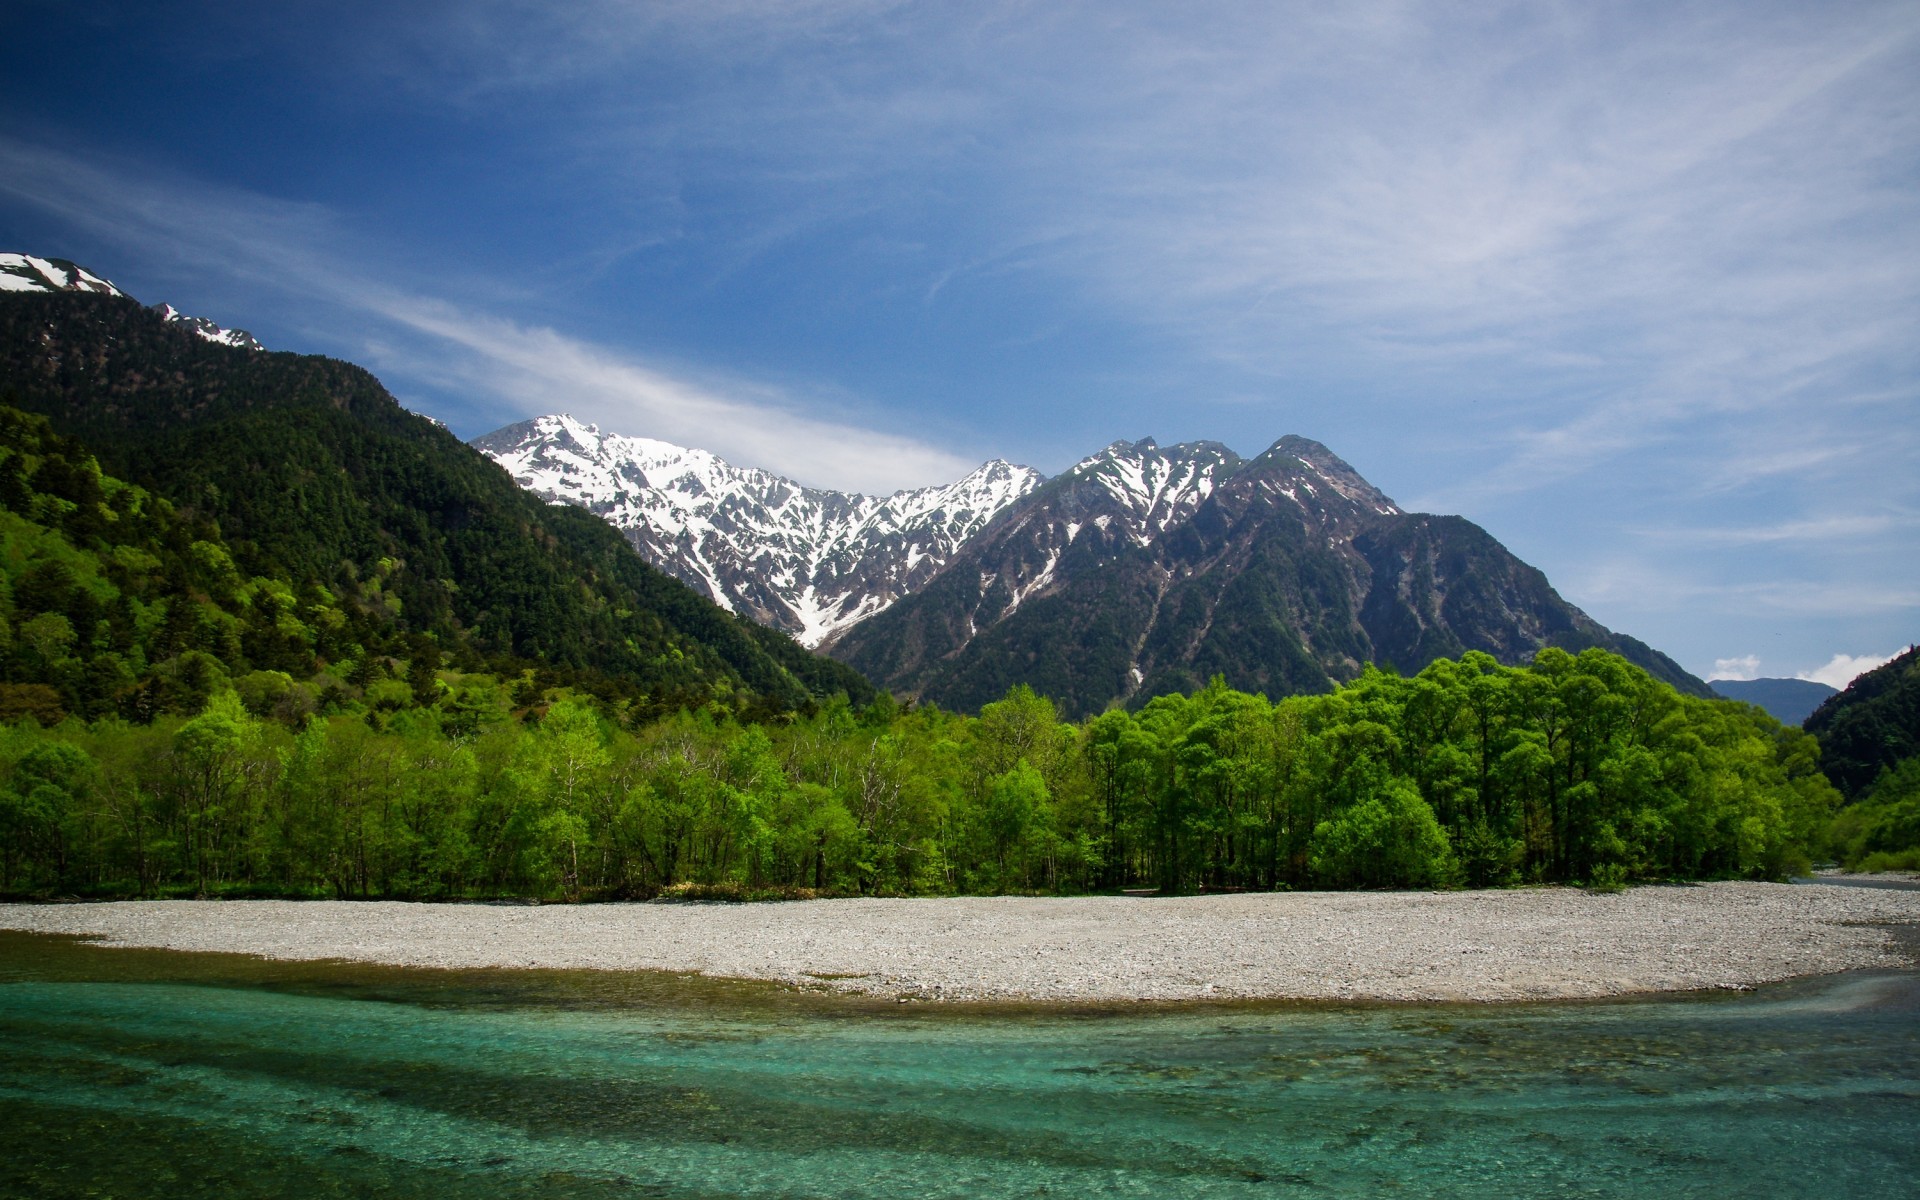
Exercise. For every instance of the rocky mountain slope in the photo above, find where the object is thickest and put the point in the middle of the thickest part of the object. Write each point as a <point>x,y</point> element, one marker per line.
<point>1146,570</point>
<point>804,560</point>
<point>26,273</point>
<point>1142,570</point>
<point>201,327</point>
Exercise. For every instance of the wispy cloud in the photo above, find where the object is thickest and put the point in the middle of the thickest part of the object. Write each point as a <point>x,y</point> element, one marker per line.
<point>1604,222</point>
<point>1821,531</point>
<point>513,368</point>
<point>1639,583</point>
<point>540,370</point>
<point>1746,666</point>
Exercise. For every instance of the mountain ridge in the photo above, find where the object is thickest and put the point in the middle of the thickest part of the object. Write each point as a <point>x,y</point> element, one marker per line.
<point>811,562</point>
<point>1146,570</point>
<point>1788,701</point>
<point>1151,568</point>
<point>30,273</point>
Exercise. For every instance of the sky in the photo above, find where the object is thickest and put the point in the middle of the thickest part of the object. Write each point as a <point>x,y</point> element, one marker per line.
<point>1636,287</point>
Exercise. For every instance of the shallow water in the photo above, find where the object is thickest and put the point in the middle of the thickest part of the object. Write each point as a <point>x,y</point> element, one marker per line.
<point>137,1073</point>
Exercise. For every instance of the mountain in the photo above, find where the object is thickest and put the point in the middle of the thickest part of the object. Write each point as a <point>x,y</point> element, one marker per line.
<point>203,328</point>
<point>1146,570</point>
<point>1871,726</point>
<point>810,562</point>
<point>1140,571</point>
<point>1788,701</point>
<point>311,471</point>
<point>26,273</point>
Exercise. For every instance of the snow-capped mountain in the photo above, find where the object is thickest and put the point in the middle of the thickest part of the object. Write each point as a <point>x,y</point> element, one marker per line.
<point>1141,570</point>
<point>805,560</point>
<point>1146,570</point>
<point>27,273</point>
<point>216,334</point>
<point>1154,489</point>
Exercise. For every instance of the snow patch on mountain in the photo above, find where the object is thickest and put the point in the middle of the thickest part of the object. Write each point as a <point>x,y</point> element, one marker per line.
<point>806,560</point>
<point>1156,489</point>
<point>218,335</point>
<point>26,273</point>
<point>29,273</point>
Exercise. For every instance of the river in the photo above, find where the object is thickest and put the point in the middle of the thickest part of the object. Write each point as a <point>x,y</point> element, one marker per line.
<point>152,1074</point>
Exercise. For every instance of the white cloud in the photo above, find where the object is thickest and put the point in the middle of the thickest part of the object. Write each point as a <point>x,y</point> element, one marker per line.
<point>522,370</point>
<point>1747,666</point>
<point>543,371</point>
<point>1842,669</point>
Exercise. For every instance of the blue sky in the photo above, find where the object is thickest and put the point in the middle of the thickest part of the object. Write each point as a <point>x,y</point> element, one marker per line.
<point>1634,286</point>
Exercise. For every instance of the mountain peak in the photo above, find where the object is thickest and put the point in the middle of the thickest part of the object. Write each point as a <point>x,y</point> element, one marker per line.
<point>809,561</point>
<point>1316,462</point>
<point>26,273</point>
<point>1156,488</point>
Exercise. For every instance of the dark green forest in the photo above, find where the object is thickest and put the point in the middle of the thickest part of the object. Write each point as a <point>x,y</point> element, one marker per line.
<point>1870,742</point>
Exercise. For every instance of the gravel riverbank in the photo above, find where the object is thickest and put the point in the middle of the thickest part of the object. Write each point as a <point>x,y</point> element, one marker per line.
<point>1496,945</point>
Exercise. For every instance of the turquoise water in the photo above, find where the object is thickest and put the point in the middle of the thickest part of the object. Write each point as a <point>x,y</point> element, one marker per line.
<point>134,1074</point>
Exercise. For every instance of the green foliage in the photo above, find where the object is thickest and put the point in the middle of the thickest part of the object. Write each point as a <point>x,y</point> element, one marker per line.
<point>1870,748</point>
<point>1871,727</point>
<point>1574,769</point>
<point>314,520</point>
<point>1388,838</point>
<point>117,603</point>
<point>1881,830</point>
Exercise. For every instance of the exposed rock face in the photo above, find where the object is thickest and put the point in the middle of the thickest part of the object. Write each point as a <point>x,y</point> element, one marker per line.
<point>1146,570</point>
<point>1140,571</point>
<point>804,560</point>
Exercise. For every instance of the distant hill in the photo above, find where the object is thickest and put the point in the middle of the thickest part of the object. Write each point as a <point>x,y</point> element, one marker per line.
<point>1788,701</point>
<point>1871,726</point>
<point>312,472</point>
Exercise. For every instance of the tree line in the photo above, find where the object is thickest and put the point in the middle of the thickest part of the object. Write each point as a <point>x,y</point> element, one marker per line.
<point>433,783</point>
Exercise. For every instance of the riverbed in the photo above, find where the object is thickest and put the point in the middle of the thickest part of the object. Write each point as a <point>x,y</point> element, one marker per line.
<point>1503,945</point>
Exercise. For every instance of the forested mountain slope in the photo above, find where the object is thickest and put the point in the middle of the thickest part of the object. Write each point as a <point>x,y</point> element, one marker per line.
<point>1146,570</point>
<point>312,472</point>
<point>113,603</point>
<point>1871,726</point>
